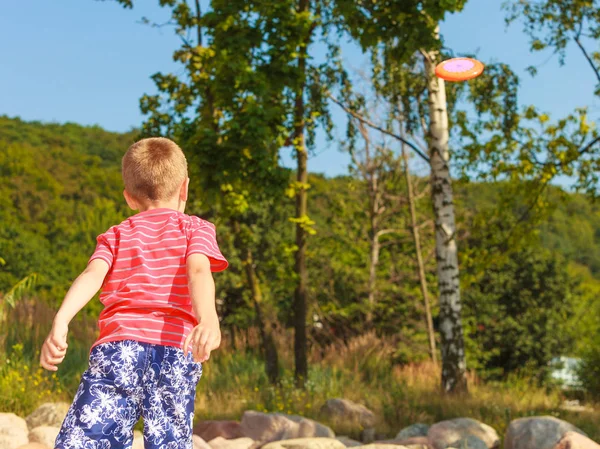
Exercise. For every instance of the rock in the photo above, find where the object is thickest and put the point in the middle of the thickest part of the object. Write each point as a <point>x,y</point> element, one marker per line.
<point>348,442</point>
<point>421,442</point>
<point>368,435</point>
<point>264,427</point>
<point>49,414</point>
<point>416,430</point>
<point>13,431</point>
<point>382,446</point>
<point>237,443</point>
<point>469,442</point>
<point>33,446</point>
<point>45,435</point>
<point>574,440</point>
<point>306,443</point>
<point>345,411</point>
<point>138,440</point>
<point>445,433</point>
<point>199,443</point>
<point>209,430</point>
<point>539,432</point>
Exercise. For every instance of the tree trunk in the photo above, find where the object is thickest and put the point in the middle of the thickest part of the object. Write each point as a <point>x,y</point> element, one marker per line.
<point>453,350</point>
<point>265,320</point>
<point>300,294</point>
<point>374,222</point>
<point>417,240</point>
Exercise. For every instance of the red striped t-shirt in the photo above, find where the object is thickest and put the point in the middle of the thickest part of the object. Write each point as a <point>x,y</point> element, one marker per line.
<point>145,293</point>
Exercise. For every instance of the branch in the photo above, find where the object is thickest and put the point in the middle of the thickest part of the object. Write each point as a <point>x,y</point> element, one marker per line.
<point>378,128</point>
<point>585,53</point>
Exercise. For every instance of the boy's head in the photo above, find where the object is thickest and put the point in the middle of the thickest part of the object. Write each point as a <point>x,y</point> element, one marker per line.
<point>154,172</point>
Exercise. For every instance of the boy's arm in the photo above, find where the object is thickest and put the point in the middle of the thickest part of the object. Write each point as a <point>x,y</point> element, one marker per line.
<point>202,289</point>
<point>82,291</point>
<point>206,336</point>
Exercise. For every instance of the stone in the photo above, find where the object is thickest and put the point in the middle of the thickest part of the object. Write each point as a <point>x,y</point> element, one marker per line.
<point>266,427</point>
<point>13,431</point>
<point>420,442</point>
<point>348,442</point>
<point>574,440</point>
<point>45,435</point>
<point>209,430</point>
<point>345,411</point>
<point>306,443</point>
<point>33,446</point>
<point>138,440</point>
<point>416,430</point>
<point>469,442</point>
<point>199,443</point>
<point>445,433</point>
<point>539,432</point>
<point>382,446</point>
<point>237,443</point>
<point>49,414</point>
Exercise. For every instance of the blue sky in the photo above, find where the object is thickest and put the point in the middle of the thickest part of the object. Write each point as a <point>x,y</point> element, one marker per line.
<point>89,62</point>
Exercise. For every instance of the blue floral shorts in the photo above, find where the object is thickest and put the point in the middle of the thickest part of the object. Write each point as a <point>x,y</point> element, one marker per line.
<point>128,379</point>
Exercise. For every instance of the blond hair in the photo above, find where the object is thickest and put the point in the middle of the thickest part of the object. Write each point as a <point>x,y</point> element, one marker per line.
<point>153,169</point>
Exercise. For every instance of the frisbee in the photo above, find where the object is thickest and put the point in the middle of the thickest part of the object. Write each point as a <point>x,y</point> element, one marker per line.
<point>459,69</point>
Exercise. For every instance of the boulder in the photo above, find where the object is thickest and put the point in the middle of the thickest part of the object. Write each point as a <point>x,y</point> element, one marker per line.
<point>574,440</point>
<point>348,442</point>
<point>209,430</point>
<point>33,446</point>
<point>237,443</point>
<point>421,442</point>
<point>49,414</point>
<point>13,431</point>
<point>469,442</point>
<point>345,411</point>
<point>416,430</point>
<point>305,443</point>
<point>446,433</point>
<point>538,432</point>
<point>382,446</point>
<point>45,435</point>
<point>266,427</point>
<point>199,443</point>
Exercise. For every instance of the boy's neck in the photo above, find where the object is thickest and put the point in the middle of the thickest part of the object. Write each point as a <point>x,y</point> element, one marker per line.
<point>175,204</point>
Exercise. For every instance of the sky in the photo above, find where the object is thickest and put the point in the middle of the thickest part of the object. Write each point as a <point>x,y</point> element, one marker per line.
<point>89,62</point>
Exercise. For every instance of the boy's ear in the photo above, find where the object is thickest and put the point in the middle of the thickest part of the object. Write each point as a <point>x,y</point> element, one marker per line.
<point>183,193</point>
<point>131,202</point>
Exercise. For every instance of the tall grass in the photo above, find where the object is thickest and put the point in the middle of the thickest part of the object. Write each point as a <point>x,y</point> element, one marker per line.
<point>234,381</point>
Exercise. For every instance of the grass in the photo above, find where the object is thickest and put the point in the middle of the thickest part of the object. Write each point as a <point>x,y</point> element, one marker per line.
<point>234,381</point>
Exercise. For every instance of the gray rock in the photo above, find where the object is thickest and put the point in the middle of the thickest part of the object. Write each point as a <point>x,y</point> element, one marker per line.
<point>266,427</point>
<point>416,430</point>
<point>306,443</point>
<point>45,435</point>
<point>49,414</point>
<point>538,432</point>
<point>13,431</point>
<point>469,442</point>
<point>445,433</point>
<point>345,411</point>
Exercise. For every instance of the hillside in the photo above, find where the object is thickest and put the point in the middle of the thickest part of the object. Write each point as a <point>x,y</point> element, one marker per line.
<point>62,188</point>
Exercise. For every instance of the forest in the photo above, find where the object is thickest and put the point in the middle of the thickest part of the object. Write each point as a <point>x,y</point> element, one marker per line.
<point>471,275</point>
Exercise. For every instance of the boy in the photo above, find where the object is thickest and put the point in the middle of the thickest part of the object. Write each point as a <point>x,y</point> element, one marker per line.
<point>159,302</point>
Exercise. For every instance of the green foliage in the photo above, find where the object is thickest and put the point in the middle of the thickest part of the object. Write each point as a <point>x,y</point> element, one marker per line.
<point>517,315</point>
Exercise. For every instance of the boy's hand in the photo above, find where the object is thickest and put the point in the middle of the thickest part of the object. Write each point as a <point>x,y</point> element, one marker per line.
<point>204,338</point>
<point>55,346</point>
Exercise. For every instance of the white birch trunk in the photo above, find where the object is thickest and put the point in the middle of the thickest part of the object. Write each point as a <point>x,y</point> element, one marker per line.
<point>450,323</point>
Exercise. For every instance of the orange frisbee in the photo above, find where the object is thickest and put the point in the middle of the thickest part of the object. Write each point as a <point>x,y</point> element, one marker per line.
<point>459,69</point>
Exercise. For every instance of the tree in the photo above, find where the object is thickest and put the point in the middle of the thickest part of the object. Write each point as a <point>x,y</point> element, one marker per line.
<point>518,314</point>
<point>398,32</point>
<point>234,134</point>
<point>554,23</point>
